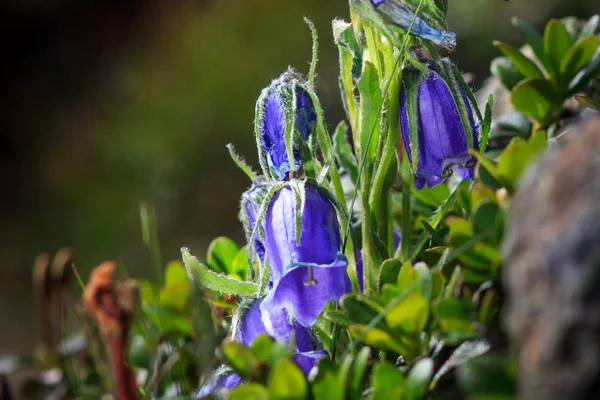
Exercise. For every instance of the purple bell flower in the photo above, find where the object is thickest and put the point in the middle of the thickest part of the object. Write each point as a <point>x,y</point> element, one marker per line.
<point>252,321</point>
<point>252,201</point>
<point>442,142</point>
<point>280,95</point>
<point>308,274</point>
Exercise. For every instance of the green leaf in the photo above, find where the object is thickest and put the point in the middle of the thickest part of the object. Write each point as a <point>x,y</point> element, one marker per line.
<point>343,151</point>
<point>513,161</point>
<point>388,272</point>
<point>387,382</point>
<point>589,28</point>
<point>177,288</point>
<point>486,375</point>
<point>214,281</point>
<point>586,101</point>
<point>240,265</point>
<point>535,41</point>
<point>358,371</point>
<point>487,123</point>
<point>462,354</point>
<point>361,308</point>
<point>522,63</point>
<point>410,314</point>
<point>507,71</point>
<point>557,42</point>
<point>452,308</point>
<point>286,381</point>
<point>221,253</point>
<point>327,385</point>
<point>418,379</point>
<point>581,80</point>
<point>537,98</point>
<point>578,57</point>
<point>262,347</point>
<point>377,338</point>
<point>339,317</point>
<point>239,161</point>
<point>370,100</point>
<point>485,217</point>
<point>249,391</point>
<point>238,357</point>
<point>435,196</point>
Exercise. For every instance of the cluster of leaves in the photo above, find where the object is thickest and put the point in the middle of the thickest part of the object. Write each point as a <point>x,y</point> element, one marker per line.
<point>551,68</point>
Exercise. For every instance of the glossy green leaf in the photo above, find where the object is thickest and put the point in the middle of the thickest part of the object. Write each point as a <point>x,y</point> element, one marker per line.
<point>535,41</point>
<point>581,80</point>
<point>418,379</point>
<point>513,161</point>
<point>238,357</point>
<point>487,216</point>
<point>339,317</point>
<point>221,253</point>
<point>177,288</point>
<point>435,196</point>
<point>359,368</point>
<point>578,57</point>
<point>360,308</point>
<point>327,385</point>
<point>410,314</point>
<point>388,272</point>
<point>537,98</point>
<point>586,101</point>
<point>589,28</point>
<point>214,281</point>
<point>522,63</point>
<point>377,337</point>
<point>262,347</point>
<point>462,354</point>
<point>387,382</point>
<point>239,266</point>
<point>249,391</point>
<point>286,381</point>
<point>507,71</point>
<point>557,42</point>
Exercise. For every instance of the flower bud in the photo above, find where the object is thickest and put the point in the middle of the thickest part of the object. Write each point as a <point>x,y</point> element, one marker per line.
<point>442,143</point>
<point>252,201</point>
<point>309,273</point>
<point>286,99</point>
<point>429,23</point>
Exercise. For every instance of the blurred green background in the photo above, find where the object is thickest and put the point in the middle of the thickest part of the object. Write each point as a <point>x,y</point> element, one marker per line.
<point>105,104</point>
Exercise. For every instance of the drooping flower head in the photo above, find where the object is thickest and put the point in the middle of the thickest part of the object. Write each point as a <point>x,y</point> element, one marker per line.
<point>429,23</point>
<point>284,107</point>
<point>442,141</point>
<point>252,201</point>
<point>308,273</point>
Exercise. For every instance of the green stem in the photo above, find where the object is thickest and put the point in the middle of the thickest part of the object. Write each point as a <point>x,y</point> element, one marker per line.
<point>406,222</point>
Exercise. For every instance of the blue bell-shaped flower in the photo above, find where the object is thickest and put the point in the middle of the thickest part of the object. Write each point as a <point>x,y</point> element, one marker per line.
<point>443,146</point>
<point>308,273</point>
<point>250,322</point>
